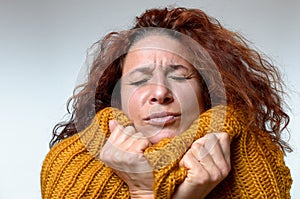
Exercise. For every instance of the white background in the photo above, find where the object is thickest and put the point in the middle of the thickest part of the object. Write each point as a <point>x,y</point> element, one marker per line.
<point>43,46</point>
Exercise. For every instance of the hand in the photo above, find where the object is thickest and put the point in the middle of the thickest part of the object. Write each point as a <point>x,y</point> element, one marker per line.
<point>123,152</point>
<point>207,163</point>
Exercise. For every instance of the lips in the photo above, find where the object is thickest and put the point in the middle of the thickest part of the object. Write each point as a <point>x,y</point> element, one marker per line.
<point>162,118</point>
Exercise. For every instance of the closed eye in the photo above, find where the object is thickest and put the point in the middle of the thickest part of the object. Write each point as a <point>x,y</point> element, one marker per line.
<point>139,82</point>
<point>181,77</point>
<point>178,78</point>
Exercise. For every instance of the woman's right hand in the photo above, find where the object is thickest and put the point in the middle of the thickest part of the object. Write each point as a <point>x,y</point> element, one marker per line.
<point>123,152</point>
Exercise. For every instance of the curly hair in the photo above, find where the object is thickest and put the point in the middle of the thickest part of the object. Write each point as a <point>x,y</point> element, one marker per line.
<point>251,81</point>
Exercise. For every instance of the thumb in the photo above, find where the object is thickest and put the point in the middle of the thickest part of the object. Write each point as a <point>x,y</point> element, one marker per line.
<point>112,125</point>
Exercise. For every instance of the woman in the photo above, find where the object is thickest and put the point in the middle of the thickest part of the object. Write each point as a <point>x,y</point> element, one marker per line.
<point>171,67</point>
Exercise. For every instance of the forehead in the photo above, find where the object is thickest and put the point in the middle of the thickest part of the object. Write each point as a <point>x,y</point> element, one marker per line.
<point>159,41</point>
<point>156,50</point>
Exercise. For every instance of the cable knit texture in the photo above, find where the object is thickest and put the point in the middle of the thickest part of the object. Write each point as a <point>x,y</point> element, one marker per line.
<point>72,168</point>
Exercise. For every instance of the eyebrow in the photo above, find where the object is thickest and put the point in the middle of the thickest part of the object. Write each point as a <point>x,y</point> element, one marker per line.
<point>144,69</point>
<point>174,67</point>
<point>149,68</point>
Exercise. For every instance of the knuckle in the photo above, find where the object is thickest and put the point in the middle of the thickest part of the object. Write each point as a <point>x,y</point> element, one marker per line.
<point>183,159</point>
<point>225,170</point>
<point>216,175</point>
<point>224,137</point>
<point>200,140</point>
<point>104,156</point>
<point>206,177</point>
<point>195,146</point>
<point>138,135</point>
<point>129,130</point>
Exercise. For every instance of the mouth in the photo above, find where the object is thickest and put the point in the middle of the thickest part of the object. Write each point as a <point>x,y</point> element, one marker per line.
<point>162,118</point>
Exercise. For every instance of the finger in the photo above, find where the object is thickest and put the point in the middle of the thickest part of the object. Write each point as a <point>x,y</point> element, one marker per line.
<point>137,143</point>
<point>120,134</point>
<point>203,150</point>
<point>213,147</point>
<point>133,141</point>
<point>115,129</point>
<point>127,139</point>
<point>189,161</point>
<point>199,173</point>
<point>193,166</point>
<point>216,153</point>
<point>202,155</point>
<point>213,171</point>
<point>197,148</point>
<point>224,141</point>
<point>112,125</point>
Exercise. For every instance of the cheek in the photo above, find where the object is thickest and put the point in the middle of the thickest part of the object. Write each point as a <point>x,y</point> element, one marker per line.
<point>189,103</point>
<point>131,100</point>
<point>189,96</point>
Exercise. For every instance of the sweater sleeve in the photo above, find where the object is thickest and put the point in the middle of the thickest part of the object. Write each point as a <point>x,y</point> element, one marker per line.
<point>72,169</point>
<point>257,169</point>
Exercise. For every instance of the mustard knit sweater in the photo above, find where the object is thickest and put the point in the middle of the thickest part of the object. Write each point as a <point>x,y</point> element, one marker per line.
<point>72,168</point>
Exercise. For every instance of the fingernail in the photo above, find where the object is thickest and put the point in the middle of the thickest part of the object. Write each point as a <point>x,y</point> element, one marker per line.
<point>112,124</point>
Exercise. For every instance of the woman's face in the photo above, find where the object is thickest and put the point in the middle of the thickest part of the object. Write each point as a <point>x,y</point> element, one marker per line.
<point>160,91</point>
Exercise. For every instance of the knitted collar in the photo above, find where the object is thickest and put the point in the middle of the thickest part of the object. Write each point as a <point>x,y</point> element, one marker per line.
<point>72,169</point>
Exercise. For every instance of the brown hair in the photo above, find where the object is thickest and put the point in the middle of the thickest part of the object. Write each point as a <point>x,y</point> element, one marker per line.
<point>251,81</point>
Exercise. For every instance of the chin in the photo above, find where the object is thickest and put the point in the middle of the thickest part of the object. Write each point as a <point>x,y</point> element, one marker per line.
<point>157,137</point>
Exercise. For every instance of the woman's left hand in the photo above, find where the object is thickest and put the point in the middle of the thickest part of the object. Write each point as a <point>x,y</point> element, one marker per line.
<point>207,163</point>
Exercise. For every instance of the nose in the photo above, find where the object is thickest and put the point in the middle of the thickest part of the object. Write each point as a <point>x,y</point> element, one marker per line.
<point>160,94</point>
